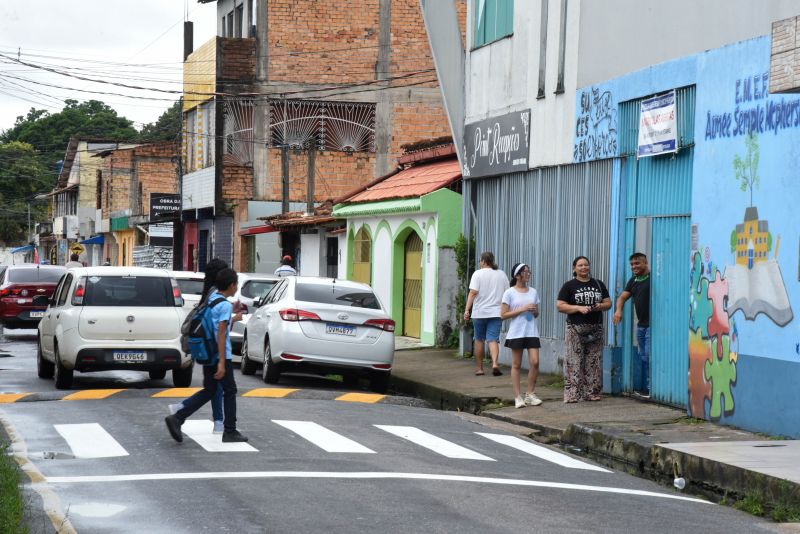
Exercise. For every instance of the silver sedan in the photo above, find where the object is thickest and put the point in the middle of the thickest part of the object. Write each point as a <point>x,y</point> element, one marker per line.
<point>318,324</point>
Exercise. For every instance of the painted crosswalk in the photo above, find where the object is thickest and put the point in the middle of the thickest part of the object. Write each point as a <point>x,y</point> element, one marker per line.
<point>91,440</point>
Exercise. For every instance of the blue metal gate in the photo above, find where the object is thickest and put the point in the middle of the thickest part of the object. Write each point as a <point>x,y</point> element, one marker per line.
<point>658,223</point>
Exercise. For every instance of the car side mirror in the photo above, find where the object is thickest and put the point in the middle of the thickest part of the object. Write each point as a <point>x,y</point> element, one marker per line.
<point>42,300</point>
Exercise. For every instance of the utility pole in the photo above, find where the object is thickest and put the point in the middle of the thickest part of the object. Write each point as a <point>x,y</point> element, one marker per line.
<point>285,178</point>
<point>312,164</point>
<point>29,223</point>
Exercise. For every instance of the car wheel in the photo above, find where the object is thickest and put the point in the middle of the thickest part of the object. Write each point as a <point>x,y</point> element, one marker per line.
<point>158,374</point>
<point>182,378</point>
<point>44,368</point>
<point>379,381</point>
<point>272,370</point>
<point>63,375</point>
<point>247,366</point>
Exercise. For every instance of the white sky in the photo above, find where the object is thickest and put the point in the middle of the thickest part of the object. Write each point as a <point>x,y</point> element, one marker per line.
<point>136,42</point>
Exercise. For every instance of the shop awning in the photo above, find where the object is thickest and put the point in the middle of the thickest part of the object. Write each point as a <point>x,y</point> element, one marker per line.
<point>260,229</point>
<point>94,240</point>
<point>24,248</point>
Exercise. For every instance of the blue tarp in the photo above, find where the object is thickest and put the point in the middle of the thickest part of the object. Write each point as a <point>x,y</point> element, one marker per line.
<point>94,240</point>
<point>25,248</point>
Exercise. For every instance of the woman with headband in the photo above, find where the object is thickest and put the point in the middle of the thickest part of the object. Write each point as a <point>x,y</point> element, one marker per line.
<point>583,299</point>
<point>520,305</point>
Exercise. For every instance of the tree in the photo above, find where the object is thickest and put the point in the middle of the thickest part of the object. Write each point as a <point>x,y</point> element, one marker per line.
<point>167,127</point>
<point>734,240</point>
<point>22,175</point>
<point>746,169</point>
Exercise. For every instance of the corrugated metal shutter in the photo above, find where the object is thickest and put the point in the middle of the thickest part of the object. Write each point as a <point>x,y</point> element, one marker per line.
<point>658,189</point>
<point>545,217</point>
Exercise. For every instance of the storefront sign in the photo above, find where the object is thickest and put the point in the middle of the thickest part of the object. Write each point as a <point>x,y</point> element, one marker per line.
<point>658,131</point>
<point>498,145</point>
<point>164,206</point>
<point>161,234</point>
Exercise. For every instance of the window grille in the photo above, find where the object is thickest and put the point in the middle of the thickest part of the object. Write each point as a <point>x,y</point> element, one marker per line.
<point>336,126</point>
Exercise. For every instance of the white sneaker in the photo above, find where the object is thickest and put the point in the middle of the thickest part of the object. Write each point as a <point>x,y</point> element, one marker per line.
<point>173,408</point>
<point>219,427</point>
<point>519,402</point>
<point>532,400</point>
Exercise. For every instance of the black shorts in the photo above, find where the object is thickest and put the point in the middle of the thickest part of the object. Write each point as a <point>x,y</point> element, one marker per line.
<point>523,343</point>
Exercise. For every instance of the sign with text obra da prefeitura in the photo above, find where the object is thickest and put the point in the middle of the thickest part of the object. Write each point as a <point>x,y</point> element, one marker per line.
<point>658,130</point>
<point>497,145</point>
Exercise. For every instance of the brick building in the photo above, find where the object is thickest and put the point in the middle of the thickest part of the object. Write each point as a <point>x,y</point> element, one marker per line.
<point>291,89</point>
<point>130,183</point>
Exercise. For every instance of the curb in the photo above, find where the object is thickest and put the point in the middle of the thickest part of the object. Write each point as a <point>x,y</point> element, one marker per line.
<point>442,399</point>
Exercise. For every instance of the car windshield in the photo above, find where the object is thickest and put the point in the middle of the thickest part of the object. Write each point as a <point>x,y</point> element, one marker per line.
<point>139,291</point>
<point>336,294</point>
<point>33,275</point>
<point>190,286</point>
<point>254,289</point>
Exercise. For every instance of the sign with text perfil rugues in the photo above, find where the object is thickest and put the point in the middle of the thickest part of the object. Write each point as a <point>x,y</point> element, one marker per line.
<point>658,130</point>
<point>497,145</point>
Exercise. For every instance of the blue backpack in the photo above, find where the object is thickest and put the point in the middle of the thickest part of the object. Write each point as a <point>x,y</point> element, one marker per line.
<point>200,338</point>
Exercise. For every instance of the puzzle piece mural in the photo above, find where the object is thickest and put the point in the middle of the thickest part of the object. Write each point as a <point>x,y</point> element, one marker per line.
<point>712,365</point>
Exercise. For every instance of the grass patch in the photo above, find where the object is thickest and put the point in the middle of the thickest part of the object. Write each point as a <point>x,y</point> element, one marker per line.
<point>690,420</point>
<point>12,503</point>
<point>752,503</point>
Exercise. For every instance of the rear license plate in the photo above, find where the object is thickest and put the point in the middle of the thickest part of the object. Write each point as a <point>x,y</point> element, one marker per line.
<point>37,314</point>
<point>340,329</point>
<point>130,356</point>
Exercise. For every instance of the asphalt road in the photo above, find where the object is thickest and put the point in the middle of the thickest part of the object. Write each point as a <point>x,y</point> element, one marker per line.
<point>315,465</point>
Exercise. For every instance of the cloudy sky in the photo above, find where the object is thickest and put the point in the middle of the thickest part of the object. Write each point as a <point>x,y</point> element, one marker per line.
<point>133,42</point>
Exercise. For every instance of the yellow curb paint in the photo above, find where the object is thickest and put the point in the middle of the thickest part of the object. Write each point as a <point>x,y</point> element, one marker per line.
<point>92,394</point>
<point>370,398</point>
<point>6,398</point>
<point>274,393</point>
<point>177,393</point>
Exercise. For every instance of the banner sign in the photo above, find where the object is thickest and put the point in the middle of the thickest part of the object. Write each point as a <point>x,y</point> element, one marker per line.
<point>658,130</point>
<point>498,145</point>
<point>161,234</point>
<point>164,206</point>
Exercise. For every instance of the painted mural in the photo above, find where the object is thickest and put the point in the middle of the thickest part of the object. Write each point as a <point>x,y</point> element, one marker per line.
<point>744,207</point>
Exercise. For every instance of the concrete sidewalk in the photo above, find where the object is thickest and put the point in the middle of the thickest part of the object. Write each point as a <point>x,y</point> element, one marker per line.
<point>641,437</point>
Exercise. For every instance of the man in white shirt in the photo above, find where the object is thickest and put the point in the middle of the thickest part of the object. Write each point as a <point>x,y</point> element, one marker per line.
<point>486,288</point>
<point>286,268</point>
<point>73,262</point>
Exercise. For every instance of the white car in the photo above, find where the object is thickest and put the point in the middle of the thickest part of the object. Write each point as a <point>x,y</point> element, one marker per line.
<point>319,324</point>
<point>113,318</point>
<point>191,286</point>
<point>252,287</point>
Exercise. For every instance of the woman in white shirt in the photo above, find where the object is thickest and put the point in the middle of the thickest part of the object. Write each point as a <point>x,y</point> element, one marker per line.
<point>521,305</point>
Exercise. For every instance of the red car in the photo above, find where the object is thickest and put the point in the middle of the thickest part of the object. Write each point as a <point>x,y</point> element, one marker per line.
<point>19,284</point>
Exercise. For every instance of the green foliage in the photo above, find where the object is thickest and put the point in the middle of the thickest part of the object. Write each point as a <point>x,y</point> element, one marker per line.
<point>166,128</point>
<point>12,504</point>
<point>22,175</point>
<point>734,239</point>
<point>465,265</point>
<point>746,170</point>
<point>752,503</point>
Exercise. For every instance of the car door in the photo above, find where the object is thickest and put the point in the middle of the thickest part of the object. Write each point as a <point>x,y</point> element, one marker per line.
<point>272,318</point>
<point>52,315</point>
<point>257,327</point>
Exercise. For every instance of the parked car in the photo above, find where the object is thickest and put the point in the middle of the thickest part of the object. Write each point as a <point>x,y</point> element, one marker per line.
<point>191,286</point>
<point>318,324</point>
<point>252,286</point>
<point>19,284</point>
<point>112,318</point>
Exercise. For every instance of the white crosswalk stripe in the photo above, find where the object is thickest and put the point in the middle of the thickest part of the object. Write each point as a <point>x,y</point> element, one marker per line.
<point>544,453</point>
<point>325,439</point>
<point>90,440</point>
<point>434,443</point>
<point>202,432</point>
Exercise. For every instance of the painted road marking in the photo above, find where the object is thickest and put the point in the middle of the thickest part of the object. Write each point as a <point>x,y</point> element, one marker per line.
<point>541,452</point>
<point>434,443</point>
<point>176,393</point>
<point>365,476</point>
<point>90,440</point>
<point>202,432</point>
<point>325,439</point>
<point>6,398</point>
<point>92,394</point>
<point>272,393</point>
<point>369,398</point>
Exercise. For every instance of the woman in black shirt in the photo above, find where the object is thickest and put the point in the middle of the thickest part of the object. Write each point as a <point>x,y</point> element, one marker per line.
<point>583,299</point>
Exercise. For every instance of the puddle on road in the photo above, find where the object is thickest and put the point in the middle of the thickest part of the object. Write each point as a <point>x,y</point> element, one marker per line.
<point>96,509</point>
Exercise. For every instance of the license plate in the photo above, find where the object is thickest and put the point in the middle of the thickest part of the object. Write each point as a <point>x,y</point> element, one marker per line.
<point>130,356</point>
<point>37,315</point>
<point>340,329</point>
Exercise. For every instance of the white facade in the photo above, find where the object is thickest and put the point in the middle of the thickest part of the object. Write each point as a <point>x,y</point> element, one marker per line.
<point>198,189</point>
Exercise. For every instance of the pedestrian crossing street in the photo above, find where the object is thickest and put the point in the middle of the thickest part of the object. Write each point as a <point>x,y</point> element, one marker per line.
<point>92,440</point>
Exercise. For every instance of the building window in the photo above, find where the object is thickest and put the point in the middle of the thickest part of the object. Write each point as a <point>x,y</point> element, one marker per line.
<point>229,30</point>
<point>239,21</point>
<point>342,126</point>
<point>542,49</point>
<point>494,19</point>
<point>562,46</point>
